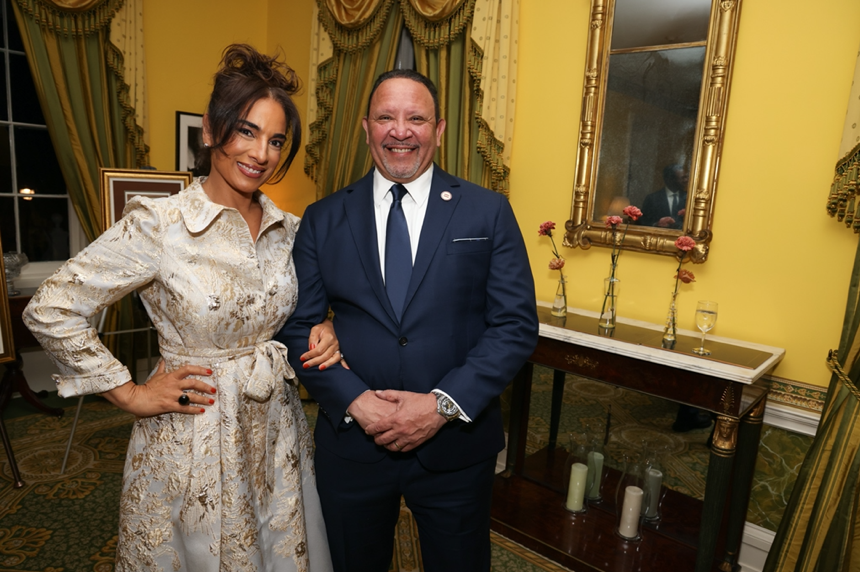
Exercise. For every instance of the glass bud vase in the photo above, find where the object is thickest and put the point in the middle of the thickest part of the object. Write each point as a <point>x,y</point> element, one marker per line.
<point>671,324</point>
<point>609,310</point>
<point>631,500</point>
<point>559,304</point>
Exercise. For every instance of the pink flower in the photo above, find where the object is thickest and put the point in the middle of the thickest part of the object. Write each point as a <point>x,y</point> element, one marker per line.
<point>685,243</point>
<point>546,228</point>
<point>556,264</point>
<point>682,212</point>
<point>633,212</point>
<point>685,276</point>
<point>613,221</point>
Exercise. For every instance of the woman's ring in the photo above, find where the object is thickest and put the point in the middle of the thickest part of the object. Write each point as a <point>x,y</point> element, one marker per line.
<point>396,445</point>
<point>184,399</point>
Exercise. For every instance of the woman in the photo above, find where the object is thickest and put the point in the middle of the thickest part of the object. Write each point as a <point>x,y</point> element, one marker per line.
<point>219,471</point>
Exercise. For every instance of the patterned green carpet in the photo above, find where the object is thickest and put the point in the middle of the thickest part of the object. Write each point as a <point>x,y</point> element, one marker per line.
<point>68,523</point>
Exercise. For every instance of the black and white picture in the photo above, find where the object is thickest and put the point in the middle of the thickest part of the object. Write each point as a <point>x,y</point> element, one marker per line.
<point>189,141</point>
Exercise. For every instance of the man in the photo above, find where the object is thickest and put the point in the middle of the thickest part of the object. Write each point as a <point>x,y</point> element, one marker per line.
<point>430,352</point>
<point>665,208</point>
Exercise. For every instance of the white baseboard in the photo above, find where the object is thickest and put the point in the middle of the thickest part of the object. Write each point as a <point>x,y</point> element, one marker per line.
<point>791,418</point>
<point>754,547</point>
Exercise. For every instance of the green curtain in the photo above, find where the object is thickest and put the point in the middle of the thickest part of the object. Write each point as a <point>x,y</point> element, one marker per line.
<point>78,76</point>
<point>817,532</point>
<point>444,52</point>
<point>337,154</point>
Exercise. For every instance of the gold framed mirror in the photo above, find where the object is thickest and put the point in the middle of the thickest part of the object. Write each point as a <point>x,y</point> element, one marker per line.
<point>654,101</point>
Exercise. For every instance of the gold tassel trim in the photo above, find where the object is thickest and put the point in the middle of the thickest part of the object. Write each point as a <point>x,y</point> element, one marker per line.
<point>434,35</point>
<point>489,147</point>
<point>69,22</point>
<point>843,190</point>
<point>115,60</point>
<point>326,84</point>
<point>349,40</point>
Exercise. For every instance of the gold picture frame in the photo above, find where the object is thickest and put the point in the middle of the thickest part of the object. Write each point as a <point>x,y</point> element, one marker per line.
<point>118,186</point>
<point>7,344</point>
<point>583,229</point>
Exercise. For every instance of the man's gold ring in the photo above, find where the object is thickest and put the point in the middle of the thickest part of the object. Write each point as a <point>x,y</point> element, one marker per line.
<point>396,445</point>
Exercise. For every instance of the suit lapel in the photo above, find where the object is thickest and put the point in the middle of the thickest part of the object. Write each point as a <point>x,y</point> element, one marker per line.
<point>439,212</point>
<point>358,206</point>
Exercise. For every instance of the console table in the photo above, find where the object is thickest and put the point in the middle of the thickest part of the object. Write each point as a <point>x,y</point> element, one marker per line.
<point>693,535</point>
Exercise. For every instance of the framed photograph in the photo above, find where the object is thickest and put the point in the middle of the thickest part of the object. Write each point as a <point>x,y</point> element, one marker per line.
<point>118,186</point>
<point>189,139</point>
<point>7,347</point>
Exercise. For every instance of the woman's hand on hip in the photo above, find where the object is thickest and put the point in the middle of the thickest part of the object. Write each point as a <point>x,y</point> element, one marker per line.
<point>323,348</point>
<point>166,393</point>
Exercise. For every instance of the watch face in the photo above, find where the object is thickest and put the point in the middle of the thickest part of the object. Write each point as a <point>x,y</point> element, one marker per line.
<point>447,408</point>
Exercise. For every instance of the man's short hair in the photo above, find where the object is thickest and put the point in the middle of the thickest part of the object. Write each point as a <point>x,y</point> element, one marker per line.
<point>407,74</point>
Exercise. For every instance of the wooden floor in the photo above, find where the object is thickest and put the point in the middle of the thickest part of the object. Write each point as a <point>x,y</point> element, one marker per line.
<point>529,509</point>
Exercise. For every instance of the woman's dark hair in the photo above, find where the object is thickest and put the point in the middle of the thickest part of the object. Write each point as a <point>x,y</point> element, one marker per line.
<point>245,77</point>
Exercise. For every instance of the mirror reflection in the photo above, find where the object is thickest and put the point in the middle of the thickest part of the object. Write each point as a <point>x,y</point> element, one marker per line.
<point>652,103</point>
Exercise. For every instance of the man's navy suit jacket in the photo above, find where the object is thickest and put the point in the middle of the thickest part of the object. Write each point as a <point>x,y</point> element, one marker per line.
<point>469,321</point>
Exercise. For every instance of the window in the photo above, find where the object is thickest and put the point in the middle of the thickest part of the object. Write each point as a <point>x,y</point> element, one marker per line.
<point>35,212</point>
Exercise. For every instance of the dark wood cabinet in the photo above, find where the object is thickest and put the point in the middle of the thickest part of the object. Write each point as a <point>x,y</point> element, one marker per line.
<point>693,535</point>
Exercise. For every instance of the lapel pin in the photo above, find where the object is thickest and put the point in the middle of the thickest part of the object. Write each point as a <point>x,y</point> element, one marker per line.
<point>446,195</point>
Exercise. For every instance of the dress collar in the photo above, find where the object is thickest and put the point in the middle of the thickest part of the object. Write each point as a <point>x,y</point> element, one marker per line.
<point>198,210</point>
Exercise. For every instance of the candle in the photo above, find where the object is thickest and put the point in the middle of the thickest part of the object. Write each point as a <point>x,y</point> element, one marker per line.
<point>595,474</point>
<point>653,481</point>
<point>628,526</point>
<point>576,488</point>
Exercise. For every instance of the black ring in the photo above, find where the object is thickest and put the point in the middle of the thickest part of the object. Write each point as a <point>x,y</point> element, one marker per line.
<point>184,399</point>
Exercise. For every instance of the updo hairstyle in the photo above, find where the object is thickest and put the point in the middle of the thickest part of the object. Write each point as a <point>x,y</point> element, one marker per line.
<point>246,76</point>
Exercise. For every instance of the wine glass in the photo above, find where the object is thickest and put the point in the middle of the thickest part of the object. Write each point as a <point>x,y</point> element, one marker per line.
<point>706,318</point>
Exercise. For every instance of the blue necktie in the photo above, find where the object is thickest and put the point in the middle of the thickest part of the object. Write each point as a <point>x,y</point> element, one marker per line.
<point>398,252</point>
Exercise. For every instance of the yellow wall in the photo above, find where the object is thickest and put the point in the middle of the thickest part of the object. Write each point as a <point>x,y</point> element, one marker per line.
<point>184,41</point>
<point>778,266</point>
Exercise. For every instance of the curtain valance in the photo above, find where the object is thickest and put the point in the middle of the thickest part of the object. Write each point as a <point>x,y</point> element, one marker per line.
<point>843,190</point>
<point>354,24</point>
<point>71,17</point>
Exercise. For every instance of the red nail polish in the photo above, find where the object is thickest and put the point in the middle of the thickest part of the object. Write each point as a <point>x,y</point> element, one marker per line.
<point>303,358</point>
<point>202,411</point>
<point>213,390</point>
<point>209,371</point>
<point>305,366</point>
<point>322,367</point>
<point>211,401</point>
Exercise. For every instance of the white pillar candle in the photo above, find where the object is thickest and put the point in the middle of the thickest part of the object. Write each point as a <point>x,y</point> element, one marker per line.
<point>628,526</point>
<point>576,488</point>
<point>654,481</point>
<point>595,473</point>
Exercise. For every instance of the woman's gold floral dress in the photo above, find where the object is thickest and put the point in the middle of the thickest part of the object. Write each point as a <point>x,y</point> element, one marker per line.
<point>232,489</point>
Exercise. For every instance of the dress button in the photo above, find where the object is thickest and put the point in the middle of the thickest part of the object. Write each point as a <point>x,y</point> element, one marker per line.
<point>403,341</point>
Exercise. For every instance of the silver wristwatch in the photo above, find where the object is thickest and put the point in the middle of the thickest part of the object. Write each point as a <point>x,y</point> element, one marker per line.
<point>446,407</point>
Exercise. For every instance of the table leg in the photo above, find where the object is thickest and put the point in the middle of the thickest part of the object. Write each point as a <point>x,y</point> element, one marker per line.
<point>749,437</point>
<point>555,406</point>
<point>5,391</point>
<point>15,373</point>
<point>716,488</point>
<point>519,422</point>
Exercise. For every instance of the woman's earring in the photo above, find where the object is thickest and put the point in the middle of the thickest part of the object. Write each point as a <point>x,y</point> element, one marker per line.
<point>206,145</point>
